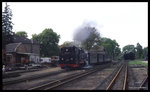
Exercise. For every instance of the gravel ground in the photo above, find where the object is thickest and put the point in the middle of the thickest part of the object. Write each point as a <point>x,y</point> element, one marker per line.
<point>89,82</point>
<point>17,73</point>
<point>136,76</point>
<point>29,84</point>
<point>140,74</point>
<point>131,79</point>
<point>28,74</point>
<point>95,81</point>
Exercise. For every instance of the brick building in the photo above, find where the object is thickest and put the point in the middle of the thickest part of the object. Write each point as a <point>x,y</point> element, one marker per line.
<point>22,50</point>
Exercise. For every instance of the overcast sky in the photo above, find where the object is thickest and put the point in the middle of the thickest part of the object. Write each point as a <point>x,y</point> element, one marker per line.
<point>125,22</point>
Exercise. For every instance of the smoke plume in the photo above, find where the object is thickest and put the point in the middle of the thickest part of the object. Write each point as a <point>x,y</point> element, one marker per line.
<point>83,32</point>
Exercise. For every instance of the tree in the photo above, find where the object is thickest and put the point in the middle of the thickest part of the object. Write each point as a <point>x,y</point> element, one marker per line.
<point>128,48</point>
<point>92,40</point>
<point>111,47</point>
<point>88,37</point>
<point>117,53</point>
<point>139,51</point>
<point>22,33</point>
<point>48,40</point>
<point>6,26</point>
<point>145,53</point>
<point>66,43</point>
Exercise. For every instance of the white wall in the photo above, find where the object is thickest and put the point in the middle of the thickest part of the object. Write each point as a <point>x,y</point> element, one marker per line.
<point>35,58</point>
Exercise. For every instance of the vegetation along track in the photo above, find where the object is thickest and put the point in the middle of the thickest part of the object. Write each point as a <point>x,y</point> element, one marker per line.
<point>117,81</point>
<point>56,83</point>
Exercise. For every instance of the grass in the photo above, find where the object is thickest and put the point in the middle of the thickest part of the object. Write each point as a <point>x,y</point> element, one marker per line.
<point>137,62</point>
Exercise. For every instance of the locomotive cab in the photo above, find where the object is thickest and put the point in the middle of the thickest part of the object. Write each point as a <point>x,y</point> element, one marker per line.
<point>71,57</point>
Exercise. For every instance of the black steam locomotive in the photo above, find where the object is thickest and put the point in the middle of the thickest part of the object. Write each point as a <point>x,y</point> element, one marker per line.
<point>74,57</point>
<point>129,55</point>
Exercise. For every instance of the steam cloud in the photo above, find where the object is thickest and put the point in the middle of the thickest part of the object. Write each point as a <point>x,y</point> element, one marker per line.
<point>83,32</point>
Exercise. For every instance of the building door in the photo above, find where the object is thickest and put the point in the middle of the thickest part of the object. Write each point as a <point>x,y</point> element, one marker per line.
<point>9,59</point>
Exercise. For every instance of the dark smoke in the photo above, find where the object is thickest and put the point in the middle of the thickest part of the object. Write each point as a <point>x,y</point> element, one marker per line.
<point>83,32</point>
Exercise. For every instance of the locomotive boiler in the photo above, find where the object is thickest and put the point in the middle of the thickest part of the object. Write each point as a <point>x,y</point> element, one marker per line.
<point>72,57</point>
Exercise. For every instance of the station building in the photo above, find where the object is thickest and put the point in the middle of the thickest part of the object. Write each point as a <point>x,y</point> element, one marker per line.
<point>22,51</point>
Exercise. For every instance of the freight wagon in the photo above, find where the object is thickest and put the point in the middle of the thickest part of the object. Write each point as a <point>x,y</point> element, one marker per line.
<point>98,57</point>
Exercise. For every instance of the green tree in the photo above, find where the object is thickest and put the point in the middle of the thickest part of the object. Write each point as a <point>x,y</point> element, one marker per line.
<point>139,51</point>
<point>48,40</point>
<point>117,53</point>
<point>66,43</point>
<point>111,47</point>
<point>88,36</point>
<point>7,26</point>
<point>92,40</point>
<point>145,53</point>
<point>128,48</point>
<point>22,33</point>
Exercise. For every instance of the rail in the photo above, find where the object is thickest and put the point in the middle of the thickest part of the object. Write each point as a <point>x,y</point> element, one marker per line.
<point>18,80</point>
<point>116,76</point>
<point>143,82</point>
<point>125,78</point>
<point>56,83</point>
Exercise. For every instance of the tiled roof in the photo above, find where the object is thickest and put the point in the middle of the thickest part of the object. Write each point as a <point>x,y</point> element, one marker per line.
<point>17,39</point>
<point>11,47</point>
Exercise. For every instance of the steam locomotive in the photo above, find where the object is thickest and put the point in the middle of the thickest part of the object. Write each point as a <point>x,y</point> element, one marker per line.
<point>75,57</point>
<point>129,55</point>
<point>72,57</point>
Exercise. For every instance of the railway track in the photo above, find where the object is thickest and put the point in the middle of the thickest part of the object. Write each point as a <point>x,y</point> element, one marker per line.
<point>15,81</point>
<point>17,73</point>
<point>123,68</point>
<point>56,83</point>
<point>141,87</point>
